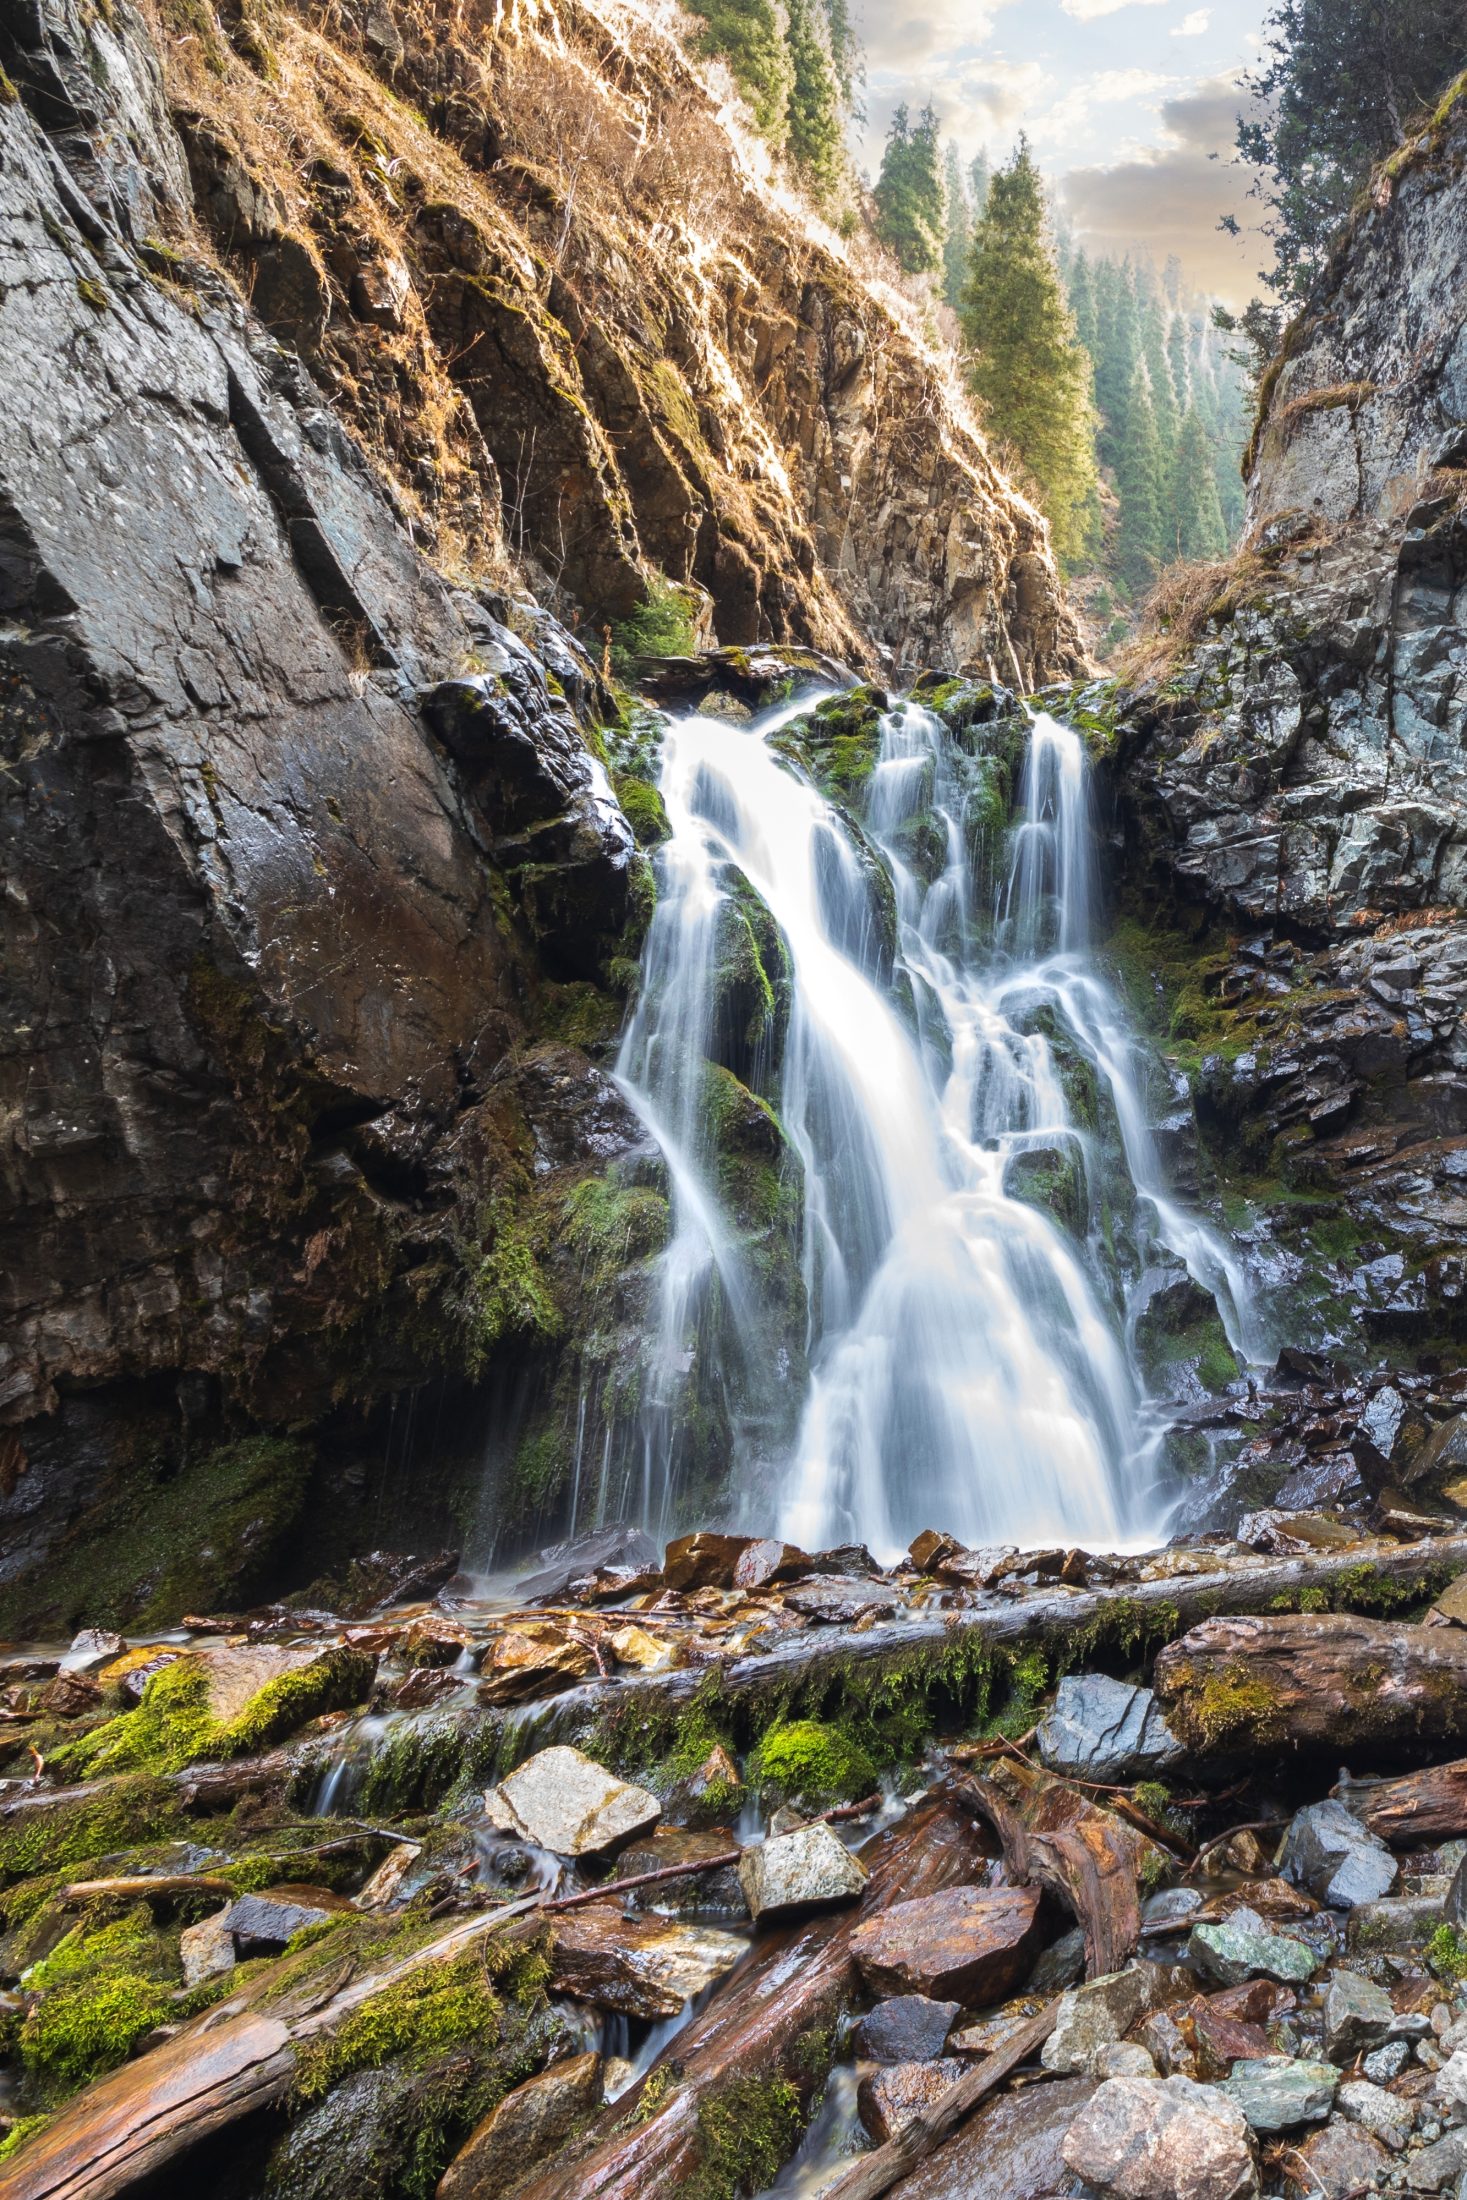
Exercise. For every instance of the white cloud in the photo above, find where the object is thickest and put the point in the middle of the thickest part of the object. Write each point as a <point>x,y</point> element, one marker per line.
<point>896,39</point>
<point>1086,11</point>
<point>1193,25</point>
<point>1112,87</point>
<point>982,102</point>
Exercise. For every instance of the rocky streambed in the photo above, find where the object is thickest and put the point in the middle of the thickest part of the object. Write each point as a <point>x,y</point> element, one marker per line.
<point>735,1869</point>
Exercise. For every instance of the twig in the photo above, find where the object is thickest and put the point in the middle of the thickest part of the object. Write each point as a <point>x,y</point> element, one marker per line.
<point>1221,1840</point>
<point>617,1887</point>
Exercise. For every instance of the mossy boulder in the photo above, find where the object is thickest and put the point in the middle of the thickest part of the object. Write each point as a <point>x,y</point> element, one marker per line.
<point>1052,1178</point>
<point>97,1994</point>
<point>839,742</point>
<point>751,986</point>
<point>1181,1342</point>
<point>192,1709</point>
<point>806,1762</point>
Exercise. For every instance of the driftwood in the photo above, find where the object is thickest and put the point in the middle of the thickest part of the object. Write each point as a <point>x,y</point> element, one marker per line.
<point>160,1888</point>
<point>1422,1806</point>
<point>1055,1837</point>
<point>791,1982</point>
<point>926,2132</point>
<point>1318,1682</point>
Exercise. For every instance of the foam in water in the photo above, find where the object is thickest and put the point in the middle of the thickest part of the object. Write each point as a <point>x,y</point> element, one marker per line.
<point>969,1364</point>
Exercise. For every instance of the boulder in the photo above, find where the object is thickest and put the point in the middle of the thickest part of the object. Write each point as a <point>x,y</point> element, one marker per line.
<point>770,1560</point>
<point>1440,2166</point>
<point>704,1561</point>
<point>94,1646</point>
<point>714,1791</point>
<point>1357,2013</point>
<point>563,1565</point>
<point>1338,1859</point>
<point>1386,2116</point>
<point>838,1599</point>
<point>529,2123</point>
<point>906,2028</point>
<point>564,1801</point>
<point>535,1660</point>
<point>206,1949</point>
<point>809,1869</point>
<point>1396,1925</point>
<point>968,1944</point>
<point>1011,2150</point>
<point>648,1967</point>
<point>889,2098</point>
<point>1163,2139</point>
<point>1337,2162</point>
<point>1278,2092</point>
<point>1092,2018</point>
<point>1241,1947</point>
<point>644,1652</point>
<point>260,1923</point>
<point>1105,1730</point>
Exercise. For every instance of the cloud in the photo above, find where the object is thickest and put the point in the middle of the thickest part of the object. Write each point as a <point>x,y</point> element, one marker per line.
<point>981,101</point>
<point>1086,11</point>
<point>1170,197</point>
<point>1111,87</point>
<point>896,39</point>
<point>1193,25</point>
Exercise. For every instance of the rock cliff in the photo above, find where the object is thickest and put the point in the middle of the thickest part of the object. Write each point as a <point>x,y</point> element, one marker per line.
<point>317,888</point>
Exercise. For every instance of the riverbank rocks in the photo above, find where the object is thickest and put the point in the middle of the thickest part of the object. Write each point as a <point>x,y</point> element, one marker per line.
<point>643,1967</point>
<point>1280,2092</point>
<point>1106,1731</point>
<point>906,2028</point>
<point>1338,1859</point>
<point>967,1944</point>
<point>1091,2019</point>
<point>1241,1947</point>
<point>703,1561</point>
<point>809,1869</point>
<point>260,1924</point>
<point>1357,2014</point>
<point>1162,2139</point>
<point>537,1659</point>
<point>564,1801</point>
<point>527,2125</point>
<point>1337,2162</point>
<point>887,2100</point>
<point>1386,2116</point>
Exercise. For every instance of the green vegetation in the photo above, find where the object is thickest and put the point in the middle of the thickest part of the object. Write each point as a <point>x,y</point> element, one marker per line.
<point>173,1725</point>
<point>643,807</point>
<point>439,2006</point>
<point>746,2134</point>
<point>815,112</point>
<point>663,625</point>
<point>1446,1955</point>
<point>910,210</point>
<point>98,1993</point>
<point>809,1762</point>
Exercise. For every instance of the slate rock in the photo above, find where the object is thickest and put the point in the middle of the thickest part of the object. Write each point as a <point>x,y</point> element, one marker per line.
<point>1339,2161</point>
<point>1438,2167</point>
<point>1398,1924</point>
<point>526,2127</point>
<point>810,1869</point>
<point>564,1801</point>
<point>647,1967</point>
<point>1062,1963</point>
<point>906,2028</point>
<point>562,1565</point>
<point>1278,2092</point>
<point>258,1923</point>
<point>1011,2150</point>
<point>704,1561</point>
<point>1163,2139</point>
<point>836,1599</point>
<point>715,1890</point>
<point>1357,2013</point>
<point>1241,1947</point>
<point>1105,1730</point>
<point>888,2099</point>
<point>1386,2116</point>
<point>769,1560</point>
<point>968,1944</point>
<point>1092,2018</point>
<point>1338,1859</point>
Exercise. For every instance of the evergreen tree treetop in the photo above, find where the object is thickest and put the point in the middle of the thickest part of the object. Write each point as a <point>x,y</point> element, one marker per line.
<point>909,192</point>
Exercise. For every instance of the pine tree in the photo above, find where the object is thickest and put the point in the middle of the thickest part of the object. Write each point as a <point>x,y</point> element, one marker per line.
<point>845,50</point>
<point>1140,539</point>
<point>1118,347</point>
<point>959,232</point>
<point>1082,303</point>
<point>815,124</point>
<point>1032,375</point>
<point>979,178</point>
<point>749,36</point>
<point>1198,522</point>
<point>1165,404</point>
<point>909,207</point>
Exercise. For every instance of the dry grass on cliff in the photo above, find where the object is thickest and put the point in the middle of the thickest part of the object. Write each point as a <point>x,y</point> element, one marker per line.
<point>1184,603</point>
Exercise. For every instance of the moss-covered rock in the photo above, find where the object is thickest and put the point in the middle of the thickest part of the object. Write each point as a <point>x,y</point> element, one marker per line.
<point>1180,1335</point>
<point>1052,1178</point>
<point>808,1762</point>
<point>750,1007</point>
<point>176,1723</point>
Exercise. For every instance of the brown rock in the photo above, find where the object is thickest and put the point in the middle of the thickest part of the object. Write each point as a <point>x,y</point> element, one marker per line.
<point>433,1640</point>
<point>967,1944</point>
<point>977,1569</point>
<point>528,2125</point>
<point>428,1684</point>
<point>887,2099</point>
<point>713,1791</point>
<point>928,1550</point>
<point>770,1560</point>
<point>70,1695</point>
<point>535,1660</point>
<point>637,1966</point>
<point>1335,2163</point>
<point>703,1561</point>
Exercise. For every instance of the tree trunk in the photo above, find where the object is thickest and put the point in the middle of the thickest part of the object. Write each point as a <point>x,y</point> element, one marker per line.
<point>1421,1807</point>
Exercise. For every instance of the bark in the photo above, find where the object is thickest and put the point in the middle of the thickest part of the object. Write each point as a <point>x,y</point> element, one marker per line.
<point>792,1982</point>
<point>1420,1807</point>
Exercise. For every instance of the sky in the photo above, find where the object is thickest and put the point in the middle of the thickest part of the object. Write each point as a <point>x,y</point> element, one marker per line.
<point>1123,100</point>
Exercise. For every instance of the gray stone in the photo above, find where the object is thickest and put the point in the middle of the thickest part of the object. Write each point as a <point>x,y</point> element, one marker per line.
<point>1436,2168</point>
<point>1278,2093</point>
<point>1357,2013</point>
<point>1092,2018</point>
<point>1339,1860</point>
<point>1387,2062</point>
<point>1384,2115</point>
<point>889,2098</point>
<point>808,1870</point>
<point>1061,1965</point>
<point>564,1801</point>
<point>261,1922</point>
<point>1337,2162</point>
<point>1125,2059</point>
<point>1172,1906</point>
<point>906,2028</point>
<point>206,1949</point>
<point>1163,2139</point>
<point>1105,1730</point>
<point>1399,1924</point>
<point>1241,1947</point>
<point>1449,2086</point>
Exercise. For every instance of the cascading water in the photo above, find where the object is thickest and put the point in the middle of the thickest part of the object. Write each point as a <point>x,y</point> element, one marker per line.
<point>965,1358</point>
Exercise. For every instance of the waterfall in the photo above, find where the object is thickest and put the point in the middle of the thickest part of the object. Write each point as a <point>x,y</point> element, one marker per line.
<point>965,1358</point>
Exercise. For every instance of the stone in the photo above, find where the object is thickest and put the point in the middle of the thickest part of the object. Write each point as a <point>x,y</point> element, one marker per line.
<point>1384,2115</point>
<point>261,1923</point>
<point>644,1652</point>
<point>1092,2018</point>
<point>535,1660</point>
<point>906,2028</point>
<point>1241,1947</point>
<point>1399,1924</point>
<point>236,1673</point>
<point>1337,2162</point>
<point>810,1869</point>
<point>1357,2013</point>
<point>714,1791</point>
<point>646,1967</point>
<point>1162,2139</point>
<point>94,1646</point>
<point>1062,1963</point>
<point>928,1550</point>
<point>564,1801</point>
<point>1125,2059</point>
<point>206,1949</point>
<point>1451,1605</point>
<point>1172,1906</point>
<point>1438,2167</point>
<point>1010,2150</point>
<point>1278,2092</point>
<point>986,2035</point>
<point>968,1944</point>
<point>1387,2062</point>
<point>528,2125</point>
<point>836,1600</point>
<point>1338,1859</point>
<point>888,2099</point>
<point>435,1639</point>
<point>1454,1901</point>
<point>383,1890</point>
<point>71,1695</point>
<point>563,1565</point>
<point>704,1561</point>
<point>716,1890</point>
<point>1106,1731</point>
<point>768,1561</point>
<point>1449,2086</point>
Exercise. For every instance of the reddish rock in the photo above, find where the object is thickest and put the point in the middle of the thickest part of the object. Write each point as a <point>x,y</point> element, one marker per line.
<point>968,1944</point>
<point>704,1561</point>
<point>928,1550</point>
<point>889,2098</point>
<point>1335,2163</point>
<point>770,1560</point>
<point>538,1659</point>
<point>528,2124</point>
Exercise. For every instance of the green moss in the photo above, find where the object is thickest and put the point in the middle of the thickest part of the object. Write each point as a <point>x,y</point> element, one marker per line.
<point>92,294</point>
<point>173,1725</point>
<point>746,2134</point>
<point>99,1993</point>
<point>1026,1678</point>
<point>612,1226</point>
<point>1227,1709</point>
<point>1052,1178</point>
<point>25,2127</point>
<point>644,810</point>
<point>1446,1955</point>
<point>127,1813</point>
<point>817,1764</point>
<point>505,1294</point>
<point>441,2006</point>
<point>8,95</point>
<point>663,625</point>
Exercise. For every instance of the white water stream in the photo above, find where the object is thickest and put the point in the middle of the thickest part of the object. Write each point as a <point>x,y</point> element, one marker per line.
<point>968,1363</point>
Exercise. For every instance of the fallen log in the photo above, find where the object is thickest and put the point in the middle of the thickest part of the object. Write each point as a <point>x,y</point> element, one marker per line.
<point>926,2132</point>
<point>790,1986</point>
<point>1327,1683</point>
<point>1421,1806</point>
<point>162,1887</point>
<point>1055,1837</point>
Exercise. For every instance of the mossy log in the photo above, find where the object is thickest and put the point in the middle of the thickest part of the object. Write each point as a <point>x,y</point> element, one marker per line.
<point>765,2028</point>
<point>1244,1689</point>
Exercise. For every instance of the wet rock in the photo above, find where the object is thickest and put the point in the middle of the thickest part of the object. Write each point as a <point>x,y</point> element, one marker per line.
<point>906,2028</point>
<point>1396,1925</point>
<point>428,1685</point>
<point>1278,2093</point>
<point>1162,2139</point>
<point>1449,2086</point>
<point>1104,1730</point>
<point>206,1949</point>
<point>1171,1906</point>
<point>1357,2013</point>
<point>837,1600</point>
<point>810,1869</point>
<point>717,1890</point>
<point>888,2099</point>
<point>526,2127</point>
<point>1438,2167</point>
<point>71,1695</point>
<point>644,1652</point>
<point>703,1561</point>
<point>261,1923</point>
<point>1011,2150</point>
<point>1062,1963</point>
<point>928,1550</point>
<point>1241,1947</point>
<point>385,1886</point>
<point>770,1561</point>
<point>968,1944</point>
<point>1384,2115</point>
<point>1338,2162</point>
<point>1384,2063</point>
<point>434,1639</point>
<point>538,1659</point>
<point>91,1648</point>
<point>564,1801</point>
<point>381,1578</point>
<point>713,1792</point>
<point>1092,2018</point>
<point>563,1565</point>
<point>1338,1859</point>
<point>637,1966</point>
<point>1125,2059</point>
